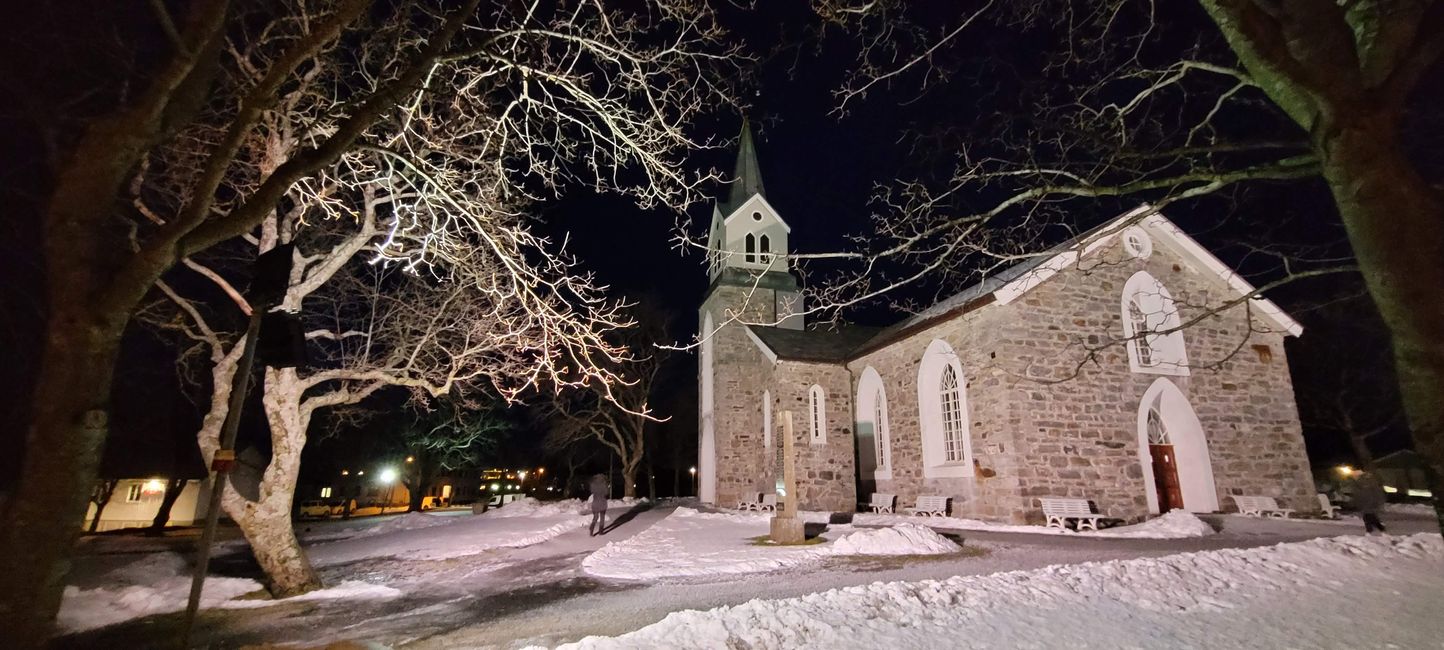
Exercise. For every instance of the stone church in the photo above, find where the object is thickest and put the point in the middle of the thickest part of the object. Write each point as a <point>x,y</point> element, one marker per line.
<point>1126,366</point>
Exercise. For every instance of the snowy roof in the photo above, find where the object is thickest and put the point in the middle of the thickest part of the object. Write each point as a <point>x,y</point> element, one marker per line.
<point>1010,282</point>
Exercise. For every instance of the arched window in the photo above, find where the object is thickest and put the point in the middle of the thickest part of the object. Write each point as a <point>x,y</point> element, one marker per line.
<point>817,402</point>
<point>871,407</point>
<point>943,413</point>
<point>764,246</point>
<point>950,398</point>
<point>1157,433</point>
<point>751,247</point>
<point>1148,308</point>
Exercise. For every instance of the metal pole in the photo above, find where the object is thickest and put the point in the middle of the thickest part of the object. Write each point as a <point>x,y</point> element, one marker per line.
<point>221,467</point>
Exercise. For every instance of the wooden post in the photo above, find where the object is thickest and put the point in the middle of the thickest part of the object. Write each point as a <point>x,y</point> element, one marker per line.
<point>786,527</point>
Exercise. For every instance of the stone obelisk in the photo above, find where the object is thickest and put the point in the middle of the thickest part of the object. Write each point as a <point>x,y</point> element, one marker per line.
<point>786,527</point>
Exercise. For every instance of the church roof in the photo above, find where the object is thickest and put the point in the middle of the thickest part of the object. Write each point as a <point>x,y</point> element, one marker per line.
<point>1019,277</point>
<point>831,346</point>
<point>746,176</point>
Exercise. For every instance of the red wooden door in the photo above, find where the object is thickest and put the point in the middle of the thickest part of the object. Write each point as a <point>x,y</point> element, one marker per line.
<point>1165,477</point>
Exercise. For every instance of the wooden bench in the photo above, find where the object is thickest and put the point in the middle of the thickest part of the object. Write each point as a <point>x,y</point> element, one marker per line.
<point>930,506</point>
<point>882,502</point>
<point>1331,511</point>
<point>750,501</point>
<point>1058,511</point>
<point>768,503</point>
<point>1261,507</point>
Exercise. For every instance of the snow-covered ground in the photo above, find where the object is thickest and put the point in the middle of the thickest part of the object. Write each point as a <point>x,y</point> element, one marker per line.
<point>1174,525</point>
<point>690,543</point>
<point>1338,592</point>
<point>421,536</point>
<point>160,583</point>
<point>469,592</point>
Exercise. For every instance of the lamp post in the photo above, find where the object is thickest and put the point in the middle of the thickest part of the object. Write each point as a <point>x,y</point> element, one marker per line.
<point>693,471</point>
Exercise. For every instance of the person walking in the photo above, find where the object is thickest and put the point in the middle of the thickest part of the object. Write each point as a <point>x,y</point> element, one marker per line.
<point>599,489</point>
<point>1369,500</point>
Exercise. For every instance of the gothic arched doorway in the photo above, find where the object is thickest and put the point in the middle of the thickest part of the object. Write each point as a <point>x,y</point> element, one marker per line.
<point>1177,471</point>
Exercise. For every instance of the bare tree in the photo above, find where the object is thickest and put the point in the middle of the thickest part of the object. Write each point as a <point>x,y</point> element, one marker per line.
<point>1166,104</point>
<point>173,488</point>
<point>563,93</point>
<point>100,494</point>
<point>615,415</point>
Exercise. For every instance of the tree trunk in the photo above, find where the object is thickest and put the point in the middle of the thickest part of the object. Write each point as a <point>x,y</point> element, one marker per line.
<point>70,420</point>
<point>266,523</point>
<point>173,489</point>
<point>1395,222</point>
<point>105,488</point>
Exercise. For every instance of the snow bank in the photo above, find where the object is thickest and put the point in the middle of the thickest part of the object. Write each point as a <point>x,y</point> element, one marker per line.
<point>907,539</point>
<point>157,584</point>
<point>160,583</point>
<point>409,521</point>
<point>689,544</point>
<point>1334,592</point>
<point>1420,509</point>
<point>1176,524</point>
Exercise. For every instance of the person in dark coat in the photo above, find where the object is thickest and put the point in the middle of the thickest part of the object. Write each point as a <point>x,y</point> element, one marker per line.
<point>599,489</point>
<point>1369,500</point>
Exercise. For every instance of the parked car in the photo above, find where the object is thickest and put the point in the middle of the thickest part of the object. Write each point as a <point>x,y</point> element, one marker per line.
<point>316,509</point>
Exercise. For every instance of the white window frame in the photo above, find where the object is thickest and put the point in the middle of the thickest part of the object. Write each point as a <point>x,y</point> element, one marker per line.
<point>817,409</point>
<point>872,407</point>
<point>1154,354</point>
<point>950,403</point>
<point>749,248</point>
<point>939,357</point>
<point>134,492</point>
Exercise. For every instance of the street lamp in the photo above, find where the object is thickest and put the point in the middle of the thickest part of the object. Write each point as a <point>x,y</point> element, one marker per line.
<point>694,480</point>
<point>388,478</point>
<point>1345,470</point>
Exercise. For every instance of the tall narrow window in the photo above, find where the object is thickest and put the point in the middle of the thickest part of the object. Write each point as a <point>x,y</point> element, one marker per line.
<point>951,401</point>
<point>132,493</point>
<point>764,246</point>
<point>766,421</point>
<point>1142,343</point>
<point>882,441</point>
<point>943,413</point>
<point>751,247</point>
<point>817,402</point>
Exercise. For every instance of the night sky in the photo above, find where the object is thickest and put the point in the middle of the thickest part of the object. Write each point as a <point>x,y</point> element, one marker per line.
<point>819,170</point>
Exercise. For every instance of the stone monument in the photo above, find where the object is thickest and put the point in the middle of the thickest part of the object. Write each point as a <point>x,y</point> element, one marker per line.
<point>786,527</point>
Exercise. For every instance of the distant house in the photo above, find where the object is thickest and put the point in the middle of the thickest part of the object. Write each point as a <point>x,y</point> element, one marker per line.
<point>136,500</point>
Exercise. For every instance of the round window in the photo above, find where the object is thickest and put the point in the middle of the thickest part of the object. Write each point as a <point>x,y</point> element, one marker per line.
<point>1137,242</point>
<point>756,216</point>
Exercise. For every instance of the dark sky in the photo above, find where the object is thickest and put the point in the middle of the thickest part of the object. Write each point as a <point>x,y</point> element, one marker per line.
<point>820,171</point>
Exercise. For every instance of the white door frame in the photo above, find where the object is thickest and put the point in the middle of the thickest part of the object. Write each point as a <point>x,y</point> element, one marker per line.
<point>1190,448</point>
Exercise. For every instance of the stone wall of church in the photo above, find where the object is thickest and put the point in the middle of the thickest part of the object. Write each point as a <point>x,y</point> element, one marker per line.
<point>740,375</point>
<point>1053,406</point>
<point>992,492</point>
<point>1080,435</point>
<point>825,476</point>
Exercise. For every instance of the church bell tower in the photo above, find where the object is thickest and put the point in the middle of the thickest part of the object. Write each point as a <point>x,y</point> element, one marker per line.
<point>750,284</point>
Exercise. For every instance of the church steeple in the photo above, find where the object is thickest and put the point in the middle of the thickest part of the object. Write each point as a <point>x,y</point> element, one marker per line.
<point>747,175</point>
